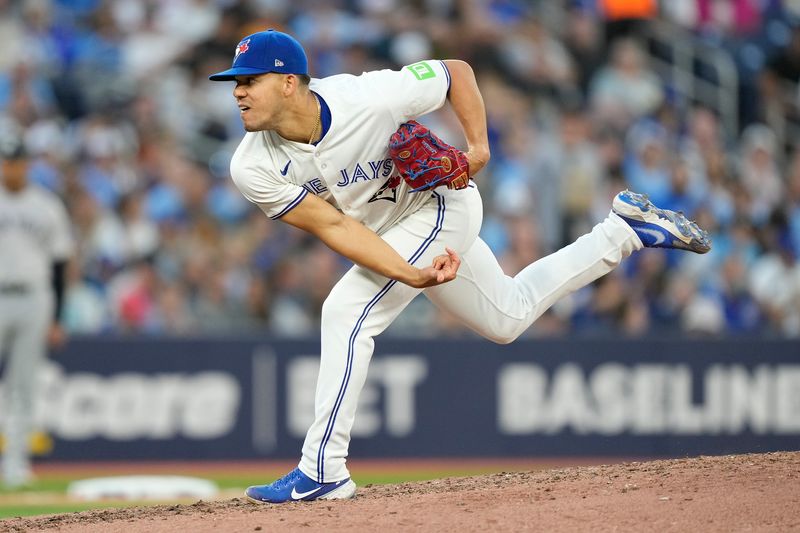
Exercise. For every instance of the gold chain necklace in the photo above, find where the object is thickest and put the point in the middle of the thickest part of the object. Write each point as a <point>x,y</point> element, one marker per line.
<point>319,118</point>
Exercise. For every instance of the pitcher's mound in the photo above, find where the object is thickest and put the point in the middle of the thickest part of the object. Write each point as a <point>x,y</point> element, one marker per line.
<point>755,492</point>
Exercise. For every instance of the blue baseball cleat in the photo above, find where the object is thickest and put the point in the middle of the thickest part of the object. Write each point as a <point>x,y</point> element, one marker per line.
<point>660,228</point>
<point>296,486</point>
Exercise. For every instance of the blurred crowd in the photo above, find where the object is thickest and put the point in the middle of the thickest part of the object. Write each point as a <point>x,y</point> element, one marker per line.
<point>122,123</point>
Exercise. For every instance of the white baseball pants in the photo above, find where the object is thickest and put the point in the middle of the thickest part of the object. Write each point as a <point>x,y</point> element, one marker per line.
<point>24,319</point>
<point>498,307</point>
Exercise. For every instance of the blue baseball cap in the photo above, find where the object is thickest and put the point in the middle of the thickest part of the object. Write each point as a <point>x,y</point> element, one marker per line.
<point>266,51</point>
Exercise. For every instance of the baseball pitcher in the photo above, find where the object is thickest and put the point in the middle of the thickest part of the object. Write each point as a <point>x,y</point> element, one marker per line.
<point>342,158</point>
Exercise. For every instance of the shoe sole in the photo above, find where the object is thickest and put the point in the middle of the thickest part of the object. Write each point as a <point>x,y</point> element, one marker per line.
<point>345,492</point>
<point>637,209</point>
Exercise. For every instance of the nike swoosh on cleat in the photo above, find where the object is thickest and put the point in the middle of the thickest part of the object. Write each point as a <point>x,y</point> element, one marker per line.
<point>286,168</point>
<point>300,495</point>
<point>653,233</point>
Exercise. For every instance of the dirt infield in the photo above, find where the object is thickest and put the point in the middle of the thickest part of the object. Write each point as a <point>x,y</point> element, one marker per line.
<point>755,492</point>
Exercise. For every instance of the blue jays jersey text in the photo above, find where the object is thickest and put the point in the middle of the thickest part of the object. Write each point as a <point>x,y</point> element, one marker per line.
<point>376,169</point>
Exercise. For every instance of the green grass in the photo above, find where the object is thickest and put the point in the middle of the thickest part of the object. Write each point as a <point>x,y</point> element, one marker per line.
<point>48,494</point>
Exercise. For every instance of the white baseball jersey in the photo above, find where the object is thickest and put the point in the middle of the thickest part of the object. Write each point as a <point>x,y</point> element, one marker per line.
<point>34,232</point>
<point>349,167</point>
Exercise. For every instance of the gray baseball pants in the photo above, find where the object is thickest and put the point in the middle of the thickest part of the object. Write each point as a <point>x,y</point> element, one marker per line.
<point>25,315</point>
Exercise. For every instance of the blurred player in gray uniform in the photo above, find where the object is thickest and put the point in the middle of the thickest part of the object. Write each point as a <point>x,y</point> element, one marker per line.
<point>35,243</point>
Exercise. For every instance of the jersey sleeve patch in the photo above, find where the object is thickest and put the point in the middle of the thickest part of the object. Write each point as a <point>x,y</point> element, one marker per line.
<point>412,91</point>
<point>422,70</point>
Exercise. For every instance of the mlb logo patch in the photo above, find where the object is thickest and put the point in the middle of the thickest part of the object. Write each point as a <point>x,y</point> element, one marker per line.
<point>241,48</point>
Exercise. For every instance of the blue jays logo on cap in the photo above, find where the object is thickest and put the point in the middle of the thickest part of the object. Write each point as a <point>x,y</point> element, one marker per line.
<point>241,48</point>
<point>266,51</point>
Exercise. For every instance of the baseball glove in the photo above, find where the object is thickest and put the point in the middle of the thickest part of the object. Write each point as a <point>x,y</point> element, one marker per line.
<point>425,161</point>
